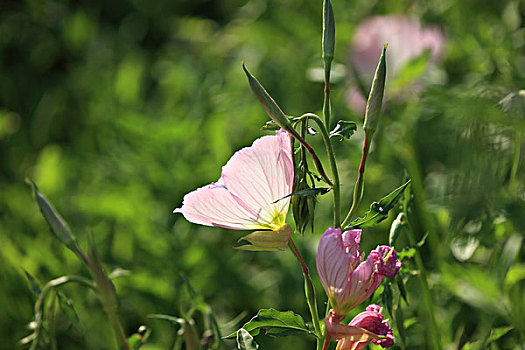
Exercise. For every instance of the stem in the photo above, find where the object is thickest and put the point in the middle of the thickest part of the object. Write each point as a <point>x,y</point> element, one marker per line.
<point>309,289</point>
<point>326,342</point>
<point>427,296</point>
<point>359,184</point>
<point>333,165</point>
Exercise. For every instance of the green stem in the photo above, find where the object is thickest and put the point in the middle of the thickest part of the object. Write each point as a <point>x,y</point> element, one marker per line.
<point>359,183</point>
<point>333,165</point>
<point>309,290</point>
<point>427,296</point>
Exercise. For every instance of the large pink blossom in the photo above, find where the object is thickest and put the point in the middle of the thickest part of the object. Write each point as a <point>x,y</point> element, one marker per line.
<point>347,277</point>
<point>366,327</point>
<point>250,192</point>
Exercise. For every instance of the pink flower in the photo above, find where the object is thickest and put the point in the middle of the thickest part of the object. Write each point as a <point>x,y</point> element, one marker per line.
<point>347,277</point>
<point>407,39</point>
<point>366,327</point>
<point>250,192</point>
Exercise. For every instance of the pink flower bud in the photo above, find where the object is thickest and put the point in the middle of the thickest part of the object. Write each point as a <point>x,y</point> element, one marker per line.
<point>347,277</point>
<point>372,321</point>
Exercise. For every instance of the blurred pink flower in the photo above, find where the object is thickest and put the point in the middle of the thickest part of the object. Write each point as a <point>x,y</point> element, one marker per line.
<point>407,39</point>
<point>371,320</point>
<point>249,194</point>
<point>347,278</point>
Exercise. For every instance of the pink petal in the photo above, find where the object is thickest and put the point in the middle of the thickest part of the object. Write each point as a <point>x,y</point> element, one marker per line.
<point>213,205</point>
<point>333,264</point>
<point>261,175</point>
<point>248,192</point>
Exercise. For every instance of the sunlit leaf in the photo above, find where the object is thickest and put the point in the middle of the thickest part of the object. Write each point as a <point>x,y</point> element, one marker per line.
<point>275,323</point>
<point>245,340</point>
<point>379,210</point>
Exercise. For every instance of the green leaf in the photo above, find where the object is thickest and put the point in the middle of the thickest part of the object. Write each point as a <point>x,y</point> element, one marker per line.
<point>379,210</point>
<point>245,340</point>
<point>275,323</point>
<point>497,333</point>
<point>343,130</point>
<point>400,320</point>
<point>387,297</point>
<point>35,287</point>
<point>308,192</point>
<point>395,229</point>
<point>401,287</point>
<point>66,306</point>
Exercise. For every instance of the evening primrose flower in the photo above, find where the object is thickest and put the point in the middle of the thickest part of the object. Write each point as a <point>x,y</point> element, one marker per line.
<point>253,191</point>
<point>371,324</point>
<point>346,276</point>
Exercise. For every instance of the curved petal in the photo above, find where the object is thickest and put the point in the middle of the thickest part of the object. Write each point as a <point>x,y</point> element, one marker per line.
<point>260,176</point>
<point>247,196</point>
<point>333,264</point>
<point>213,205</point>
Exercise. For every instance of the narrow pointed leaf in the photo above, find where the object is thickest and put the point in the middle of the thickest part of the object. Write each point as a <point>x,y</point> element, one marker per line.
<point>379,210</point>
<point>35,287</point>
<point>308,192</point>
<point>245,340</point>
<point>66,306</point>
<point>275,323</point>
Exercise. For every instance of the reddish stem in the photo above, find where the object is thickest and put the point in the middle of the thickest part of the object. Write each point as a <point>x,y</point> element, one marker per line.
<point>326,342</point>
<point>298,256</point>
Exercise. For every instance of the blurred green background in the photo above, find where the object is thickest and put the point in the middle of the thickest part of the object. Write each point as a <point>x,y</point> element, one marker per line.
<point>116,109</point>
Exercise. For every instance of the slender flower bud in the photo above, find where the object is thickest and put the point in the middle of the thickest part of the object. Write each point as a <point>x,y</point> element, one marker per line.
<point>375,98</point>
<point>328,31</point>
<point>346,276</point>
<point>372,321</point>
<point>268,103</point>
<point>278,116</point>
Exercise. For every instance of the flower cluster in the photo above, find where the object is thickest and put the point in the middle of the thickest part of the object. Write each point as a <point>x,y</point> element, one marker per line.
<point>253,192</point>
<point>349,279</point>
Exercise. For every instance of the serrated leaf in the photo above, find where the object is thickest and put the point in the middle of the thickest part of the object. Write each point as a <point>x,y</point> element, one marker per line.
<point>343,130</point>
<point>245,340</point>
<point>275,323</point>
<point>379,210</point>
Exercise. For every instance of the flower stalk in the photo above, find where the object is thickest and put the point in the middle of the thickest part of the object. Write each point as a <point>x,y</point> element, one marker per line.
<point>309,291</point>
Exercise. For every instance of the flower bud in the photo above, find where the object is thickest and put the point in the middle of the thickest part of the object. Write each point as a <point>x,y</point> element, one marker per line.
<point>375,98</point>
<point>328,31</point>
<point>268,103</point>
<point>372,321</point>
<point>347,278</point>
